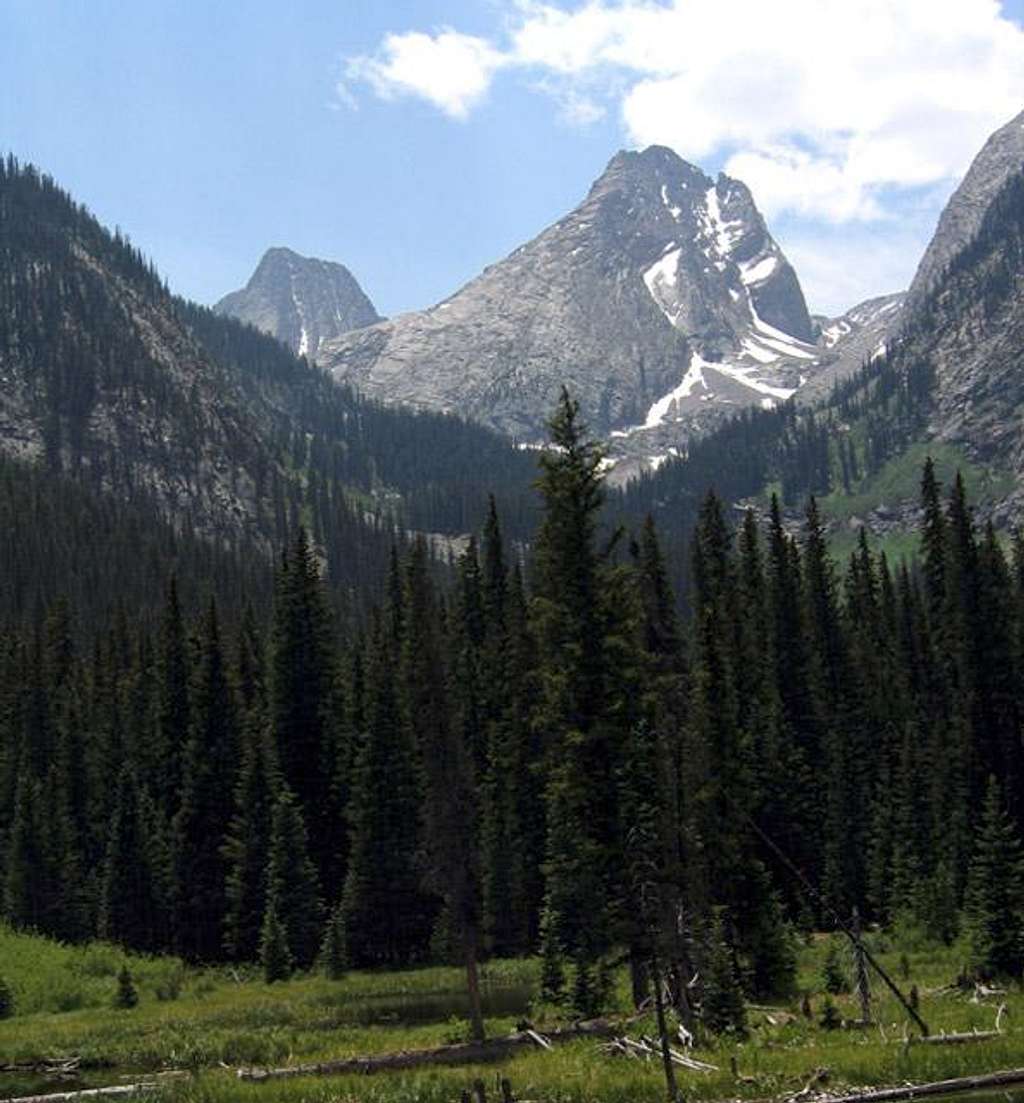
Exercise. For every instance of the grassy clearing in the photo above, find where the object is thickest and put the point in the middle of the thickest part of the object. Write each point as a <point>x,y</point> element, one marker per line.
<point>219,1019</point>
<point>899,480</point>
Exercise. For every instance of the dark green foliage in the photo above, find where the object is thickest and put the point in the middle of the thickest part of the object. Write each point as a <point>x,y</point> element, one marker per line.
<point>385,920</point>
<point>293,893</point>
<point>209,765</point>
<point>333,959</point>
<point>246,850</point>
<point>6,1000</point>
<point>552,973</point>
<point>125,997</point>
<point>994,903</point>
<point>303,704</point>
<point>134,888</point>
<point>722,1008</point>
<point>275,955</point>
<point>830,1017</point>
<point>579,610</point>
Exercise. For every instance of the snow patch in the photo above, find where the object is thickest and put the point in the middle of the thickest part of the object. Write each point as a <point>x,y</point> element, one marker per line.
<point>723,234</point>
<point>757,352</point>
<point>835,332</point>
<point>744,377</point>
<point>758,271</point>
<point>661,279</point>
<point>675,212</point>
<point>304,343</point>
<point>694,377</point>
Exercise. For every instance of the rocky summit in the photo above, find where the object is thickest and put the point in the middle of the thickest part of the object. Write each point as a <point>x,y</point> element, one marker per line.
<point>302,301</point>
<point>661,301</point>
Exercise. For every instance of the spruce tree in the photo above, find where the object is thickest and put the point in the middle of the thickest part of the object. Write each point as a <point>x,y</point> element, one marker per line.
<point>126,996</point>
<point>303,698</point>
<point>246,850</point>
<point>722,1009</point>
<point>293,895</point>
<point>161,763</point>
<point>275,954</point>
<point>200,825</point>
<point>333,958</point>
<point>576,617</point>
<point>994,901</point>
<point>382,901</point>
<point>133,884</point>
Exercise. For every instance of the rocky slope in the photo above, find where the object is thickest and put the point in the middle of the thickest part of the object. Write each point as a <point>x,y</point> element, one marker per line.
<point>301,301</point>
<point>661,301</point>
<point>847,342</point>
<point>1001,157</point>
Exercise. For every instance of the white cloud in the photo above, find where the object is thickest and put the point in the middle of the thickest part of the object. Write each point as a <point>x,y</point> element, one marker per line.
<point>452,71</point>
<point>819,105</point>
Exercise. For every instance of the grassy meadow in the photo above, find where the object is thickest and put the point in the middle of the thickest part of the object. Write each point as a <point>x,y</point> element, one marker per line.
<point>212,1021</point>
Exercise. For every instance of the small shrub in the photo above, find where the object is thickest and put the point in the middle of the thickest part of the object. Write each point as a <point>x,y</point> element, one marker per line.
<point>125,997</point>
<point>6,1000</point>
<point>168,986</point>
<point>830,1017</point>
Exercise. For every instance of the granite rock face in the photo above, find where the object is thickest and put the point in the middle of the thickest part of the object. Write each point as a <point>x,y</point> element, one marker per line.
<point>301,301</point>
<point>1001,157</point>
<point>661,301</point>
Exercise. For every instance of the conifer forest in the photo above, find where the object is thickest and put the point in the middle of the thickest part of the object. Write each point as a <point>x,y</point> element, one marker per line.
<point>536,754</point>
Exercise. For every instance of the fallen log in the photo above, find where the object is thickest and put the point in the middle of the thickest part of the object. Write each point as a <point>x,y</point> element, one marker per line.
<point>956,1039</point>
<point>120,1090</point>
<point>938,1087</point>
<point>49,1068</point>
<point>464,1053</point>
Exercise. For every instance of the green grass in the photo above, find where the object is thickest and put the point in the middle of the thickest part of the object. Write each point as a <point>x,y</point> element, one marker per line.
<point>221,1019</point>
<point>899,481</point>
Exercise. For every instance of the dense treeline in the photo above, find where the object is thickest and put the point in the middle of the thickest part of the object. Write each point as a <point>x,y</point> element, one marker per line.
<point>550,764</point>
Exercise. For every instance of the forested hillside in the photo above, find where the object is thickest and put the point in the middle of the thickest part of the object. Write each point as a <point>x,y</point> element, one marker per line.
<point>111,381</point>
<point>555,762</point>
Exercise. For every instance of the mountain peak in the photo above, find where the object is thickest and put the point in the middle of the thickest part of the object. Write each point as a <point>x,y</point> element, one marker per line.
<point>661,301</point>
<point>302,301</point>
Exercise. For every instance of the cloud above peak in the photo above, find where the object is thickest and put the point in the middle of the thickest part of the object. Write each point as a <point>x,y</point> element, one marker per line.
<point>450,70</point>
<point>824,107</point>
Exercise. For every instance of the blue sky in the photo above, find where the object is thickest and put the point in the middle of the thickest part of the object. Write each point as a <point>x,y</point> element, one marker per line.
<point>419,141</point>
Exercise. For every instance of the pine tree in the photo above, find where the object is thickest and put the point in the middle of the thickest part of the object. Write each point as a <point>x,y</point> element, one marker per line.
<point>200,825</point>
<point>994,901</point>
<point>304,704</point>
<point>246,850</point>
<point>577,624</point>
<point>382,900</point>
<point>293,895</point>
<point>333,959</point>
<point>722,1008</point>
<point>126,997</point>
<point>161,760</point>
<point>275,955</point>
<point>133,884</point>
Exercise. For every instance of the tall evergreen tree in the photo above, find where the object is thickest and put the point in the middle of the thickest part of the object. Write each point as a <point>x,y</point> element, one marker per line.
<point>200,825</point>
<point>994,903</point>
